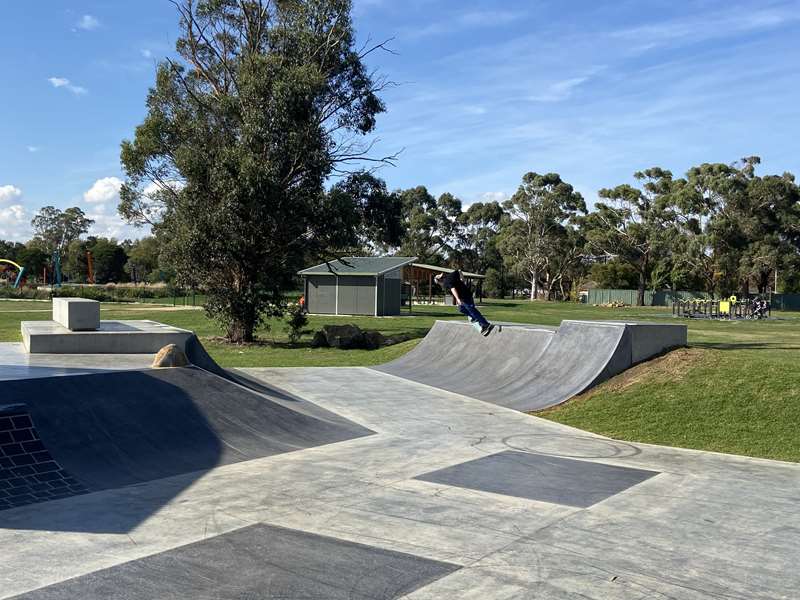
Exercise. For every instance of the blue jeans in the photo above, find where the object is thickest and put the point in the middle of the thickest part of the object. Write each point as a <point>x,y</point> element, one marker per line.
<point>473,313</point>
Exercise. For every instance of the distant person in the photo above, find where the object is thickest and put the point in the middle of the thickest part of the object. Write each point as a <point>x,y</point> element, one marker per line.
<point>453,284</point>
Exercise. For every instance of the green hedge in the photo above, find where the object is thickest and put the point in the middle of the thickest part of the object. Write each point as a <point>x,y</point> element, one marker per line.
<point>24,293</point>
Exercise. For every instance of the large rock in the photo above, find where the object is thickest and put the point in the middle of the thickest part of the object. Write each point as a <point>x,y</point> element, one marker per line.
<point>319,341</point>
<point>373,340</point>
<point>170,356</point>
<point>396,339</point>
<point>345,337</point>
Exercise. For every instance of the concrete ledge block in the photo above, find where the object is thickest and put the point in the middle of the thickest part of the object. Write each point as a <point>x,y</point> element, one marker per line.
<point>651,339</point>
<point>77,314</point>
<point>112,337</point>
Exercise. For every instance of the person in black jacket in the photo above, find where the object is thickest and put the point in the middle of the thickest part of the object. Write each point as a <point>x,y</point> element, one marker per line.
<point>452,283</point>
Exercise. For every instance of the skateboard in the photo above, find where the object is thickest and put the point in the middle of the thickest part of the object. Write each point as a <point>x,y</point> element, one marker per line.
<point>477,327</point>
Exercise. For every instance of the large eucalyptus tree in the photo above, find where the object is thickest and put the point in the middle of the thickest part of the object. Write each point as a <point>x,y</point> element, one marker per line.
<point>264,101</point>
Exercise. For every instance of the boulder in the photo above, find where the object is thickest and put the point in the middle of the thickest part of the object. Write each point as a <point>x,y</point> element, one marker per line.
<point>319,341</point>
<point>170,356</point>
<point>373,340</point>
<point>396,339</point>
<point>345,337</point>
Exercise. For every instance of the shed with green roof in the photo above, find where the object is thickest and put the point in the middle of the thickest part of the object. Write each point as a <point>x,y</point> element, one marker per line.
<point>355,285</point>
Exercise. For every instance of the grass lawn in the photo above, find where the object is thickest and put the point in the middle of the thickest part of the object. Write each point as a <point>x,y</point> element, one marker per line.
<point>736,389</point>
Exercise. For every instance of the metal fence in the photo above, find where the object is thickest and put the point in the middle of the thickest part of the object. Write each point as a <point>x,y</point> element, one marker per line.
<point>659,298</point>
<point>667,297</point>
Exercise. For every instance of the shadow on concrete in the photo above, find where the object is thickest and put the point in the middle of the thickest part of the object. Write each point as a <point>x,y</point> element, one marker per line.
<point>120,429</point>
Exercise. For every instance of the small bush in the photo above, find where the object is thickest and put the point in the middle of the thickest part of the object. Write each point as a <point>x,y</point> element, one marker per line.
<point>296,321</point>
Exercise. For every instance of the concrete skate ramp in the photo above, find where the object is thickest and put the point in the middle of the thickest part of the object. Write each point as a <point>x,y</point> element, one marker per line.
<point>117,429</point>
<point>528,368</point>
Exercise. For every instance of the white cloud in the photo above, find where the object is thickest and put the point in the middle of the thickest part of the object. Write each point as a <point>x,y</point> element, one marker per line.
<point>9,192</point>
<point>15,223</point>
<point>32,149</point>
<point>147,53</point>
<point>105,190</point>
<point>493,197</point>
<point>88,23</point>
<point>560,90</point>
<point>61,82</point>
<point>696,29</point>
<point>113,226</point>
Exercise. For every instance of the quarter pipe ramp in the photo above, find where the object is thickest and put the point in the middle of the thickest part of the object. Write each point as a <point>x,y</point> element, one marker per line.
<point>529,368</point>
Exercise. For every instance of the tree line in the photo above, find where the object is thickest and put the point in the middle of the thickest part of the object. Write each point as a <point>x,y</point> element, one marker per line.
<point>59,238</point>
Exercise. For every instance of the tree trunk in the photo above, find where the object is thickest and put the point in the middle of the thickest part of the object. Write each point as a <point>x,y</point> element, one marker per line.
<point>642,286</point>
<point>534,285</point>
<point>240,331</point>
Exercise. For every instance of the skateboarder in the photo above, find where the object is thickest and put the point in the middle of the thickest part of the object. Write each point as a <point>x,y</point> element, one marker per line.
<point>452,283</point>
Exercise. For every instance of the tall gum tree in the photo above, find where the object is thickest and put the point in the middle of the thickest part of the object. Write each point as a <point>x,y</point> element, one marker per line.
<point>633,225</point>
<point>533,239</point>
<point>265,100</point>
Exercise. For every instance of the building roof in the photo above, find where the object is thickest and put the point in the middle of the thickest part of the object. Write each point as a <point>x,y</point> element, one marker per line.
<point>359,265</point>
<point>465,274</point>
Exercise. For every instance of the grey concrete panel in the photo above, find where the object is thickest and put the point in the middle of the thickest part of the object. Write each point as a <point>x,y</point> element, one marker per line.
<point>261,562</point>
<point>77,314</point>
<point>112,337</point>
<point>118,429</point>
<point>17,363</point>
<point>525,368</point>
<point>543,478</point>
<point>648,340</point>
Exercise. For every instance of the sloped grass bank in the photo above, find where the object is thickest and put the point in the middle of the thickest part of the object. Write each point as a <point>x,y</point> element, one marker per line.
<point>738,401</point>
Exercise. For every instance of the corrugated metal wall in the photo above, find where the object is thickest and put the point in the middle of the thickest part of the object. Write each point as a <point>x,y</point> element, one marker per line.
<point>356,295</point>
<point>321,295</point>
<point>392,289</point>
<point>785,301</point>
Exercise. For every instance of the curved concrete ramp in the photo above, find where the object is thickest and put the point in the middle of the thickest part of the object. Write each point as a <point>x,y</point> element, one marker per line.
<point>117,429</point>
<point>528,368</point>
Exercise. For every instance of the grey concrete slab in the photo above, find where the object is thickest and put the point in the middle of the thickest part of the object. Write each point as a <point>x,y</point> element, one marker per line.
<point>258,561</point>
<point>530,369</point>
<point>545,478</point>
<point>17,363</point>
<point>111,337</point>
<point>709,526</point>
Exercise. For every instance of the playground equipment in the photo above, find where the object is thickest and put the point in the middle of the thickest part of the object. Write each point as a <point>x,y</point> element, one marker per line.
<point>90,266</point>
<point>20,271</point>
<point>727,308</point>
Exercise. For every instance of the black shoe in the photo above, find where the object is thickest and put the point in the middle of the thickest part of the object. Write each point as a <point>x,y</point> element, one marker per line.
<point>487,330</point>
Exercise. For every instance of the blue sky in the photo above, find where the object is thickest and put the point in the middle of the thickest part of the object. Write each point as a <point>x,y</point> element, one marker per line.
<point>486,91</point>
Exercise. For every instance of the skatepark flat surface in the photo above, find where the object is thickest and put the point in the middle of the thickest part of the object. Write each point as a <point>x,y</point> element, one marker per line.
<point>405,513</point>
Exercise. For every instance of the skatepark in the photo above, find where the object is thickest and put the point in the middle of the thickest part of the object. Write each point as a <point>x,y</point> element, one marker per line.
<point>420,478</point>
